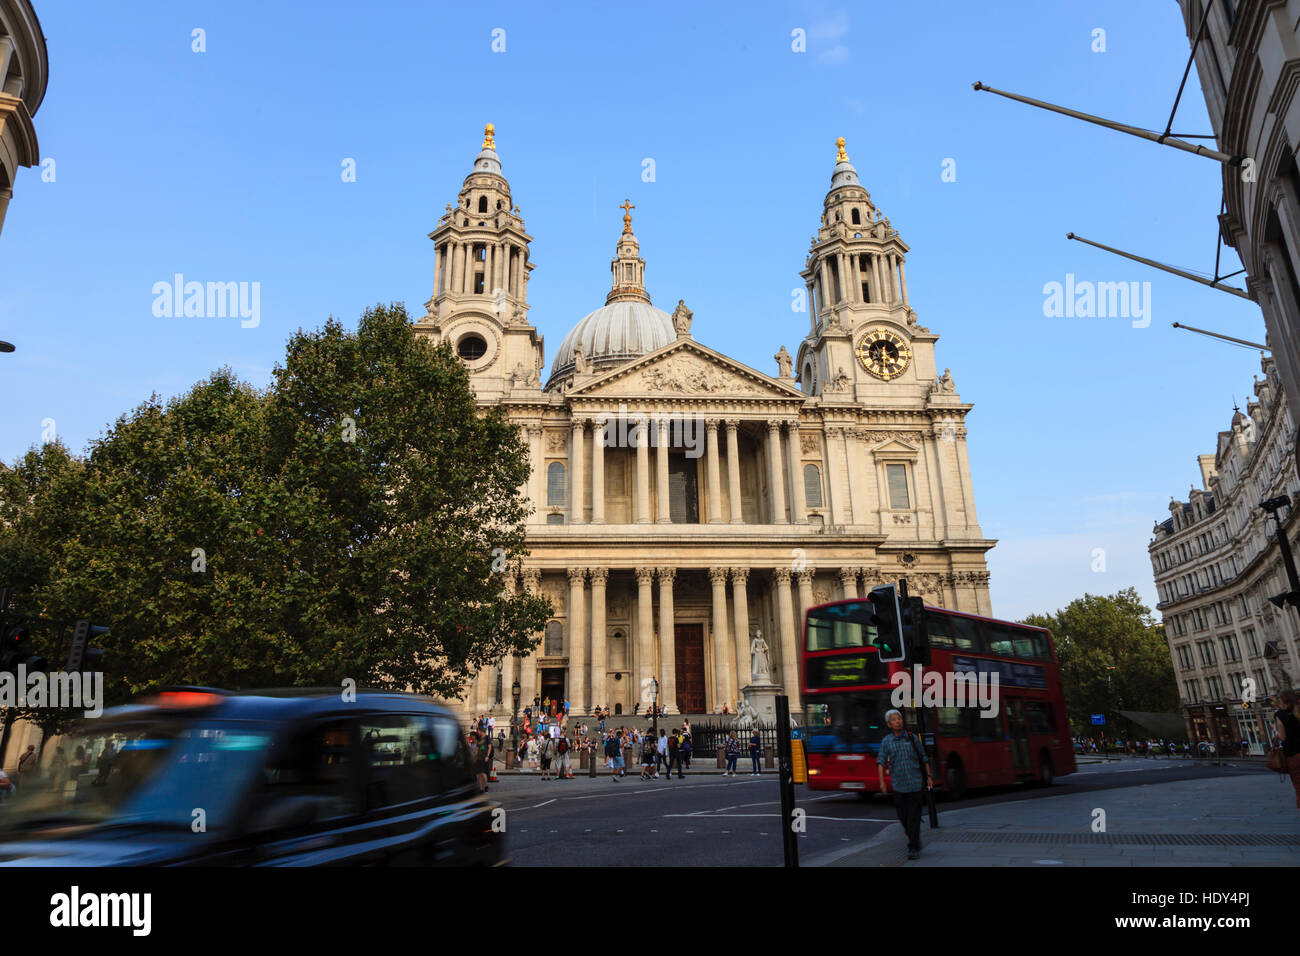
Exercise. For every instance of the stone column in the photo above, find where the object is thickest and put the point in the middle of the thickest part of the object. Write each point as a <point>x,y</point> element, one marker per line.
<point>469,268</point>
<point>842,261</point>
<point>598,473</point>
<point>576,492</point>
<point>893,277</point>
<point>645,651</point>
<point>882,294</point>
<point>740,605</point>
<point>798,505</point>
<point>576,689</point>
<point>785,622</point>
<point>828,292</point>
<point>536,480</point>
<point>775,476</point>
<point>715,479</point>
<point>642,473</point>
<point>805,579</point>
<point>599,664</point>
<point>733,471</point>
<point>661,429</point>
<point>839,513</point>
<point>722,653</point>
<point>812,307</point>
<point>849,582</point>
<point>902,279</point>
<point>507,681</point>
<point>667,642</point>
<point>528,683</point>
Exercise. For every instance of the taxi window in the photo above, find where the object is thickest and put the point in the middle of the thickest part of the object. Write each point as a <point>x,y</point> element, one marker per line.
<point>318,763</point>
<point>401,758</point>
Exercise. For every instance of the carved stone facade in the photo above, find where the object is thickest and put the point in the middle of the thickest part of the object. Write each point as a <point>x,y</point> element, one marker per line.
<point>684,501</point>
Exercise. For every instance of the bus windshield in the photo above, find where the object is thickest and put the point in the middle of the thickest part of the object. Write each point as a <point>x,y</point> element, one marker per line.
<point>847,723</point>
<point>841,625</point>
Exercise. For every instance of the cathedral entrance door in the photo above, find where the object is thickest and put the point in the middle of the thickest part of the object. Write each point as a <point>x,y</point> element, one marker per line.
<point>688,641</point>
<point>553,684</point>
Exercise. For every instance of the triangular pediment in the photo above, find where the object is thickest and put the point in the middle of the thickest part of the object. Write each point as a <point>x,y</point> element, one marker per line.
<point>685,367</point>
<point>895,446</point>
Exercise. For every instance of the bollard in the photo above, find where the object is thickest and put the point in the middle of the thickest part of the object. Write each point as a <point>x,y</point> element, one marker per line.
<point>768,761</point>
<point>722,758</point>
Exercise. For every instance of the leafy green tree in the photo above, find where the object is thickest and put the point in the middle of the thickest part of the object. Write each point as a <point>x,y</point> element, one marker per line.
<point>1113,655</point>
<point>351,522</point>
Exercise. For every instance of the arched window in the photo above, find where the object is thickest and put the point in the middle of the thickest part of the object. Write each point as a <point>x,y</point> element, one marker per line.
<point>812,486</point>
<point>857,218</point>
<point>555,484</point>
<point>554,644</point>
<point>482,203</point>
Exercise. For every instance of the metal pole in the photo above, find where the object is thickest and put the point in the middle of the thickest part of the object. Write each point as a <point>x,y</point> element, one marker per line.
<point>1182,273</point>
<point>785,779</point>
<point>1226,338</point>
<point>1163,140</point>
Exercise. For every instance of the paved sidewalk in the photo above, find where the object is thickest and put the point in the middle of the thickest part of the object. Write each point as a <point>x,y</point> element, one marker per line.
<point>1244,818</point>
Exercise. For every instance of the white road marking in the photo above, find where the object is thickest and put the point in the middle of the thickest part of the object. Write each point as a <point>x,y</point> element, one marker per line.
<point>544,803</point>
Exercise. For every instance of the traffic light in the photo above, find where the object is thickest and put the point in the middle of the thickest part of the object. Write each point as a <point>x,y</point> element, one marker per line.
<point>18,650</point>
<point>888,622</point>
<point>80,656</point>
<point>916,635</point>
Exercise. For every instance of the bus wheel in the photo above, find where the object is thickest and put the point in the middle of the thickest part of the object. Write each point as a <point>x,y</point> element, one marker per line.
<point>1045,774</point>
<point>955,780</point>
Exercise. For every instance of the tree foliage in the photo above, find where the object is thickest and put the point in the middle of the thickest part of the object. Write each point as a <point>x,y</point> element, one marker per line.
<point>352,521</point>
<point>1113,655</point>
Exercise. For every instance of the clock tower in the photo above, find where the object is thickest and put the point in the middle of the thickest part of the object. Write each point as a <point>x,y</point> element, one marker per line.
<point>863,343</point>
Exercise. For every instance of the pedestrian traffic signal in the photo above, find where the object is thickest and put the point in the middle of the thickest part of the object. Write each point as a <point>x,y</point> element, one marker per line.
<point>916,635</point>
<point>18,650</point>
<point>887,619</point>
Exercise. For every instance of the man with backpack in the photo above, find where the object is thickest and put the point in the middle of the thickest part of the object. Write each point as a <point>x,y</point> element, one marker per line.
<point>901,754</point>
<point>649,751</point>
<point>612,755</point>
<point>684,748</point>
<point>562,756</point>
<point>674,754</point>
<point>545,751</point>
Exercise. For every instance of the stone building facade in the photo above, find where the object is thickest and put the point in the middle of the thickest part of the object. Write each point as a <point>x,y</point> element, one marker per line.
<point>1217,562</point>
<point>684,501</point>
<point>24,70</point>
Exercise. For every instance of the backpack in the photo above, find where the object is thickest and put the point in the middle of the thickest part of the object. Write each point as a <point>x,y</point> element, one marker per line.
<point>648,749</point>
<point>562,745</point>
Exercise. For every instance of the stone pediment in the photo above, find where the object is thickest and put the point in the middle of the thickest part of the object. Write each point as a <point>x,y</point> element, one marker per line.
<point>689,369</point>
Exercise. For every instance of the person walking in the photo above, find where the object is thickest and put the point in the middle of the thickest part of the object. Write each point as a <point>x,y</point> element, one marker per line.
<point>545,750</point>
<point>562,757</point>
<point>612,756</point>
<point>674,755</point>
<point>733,754</point>
<point>685,749</point>
<point>649,750</point>
<point>26,765</point>
<point>483,759</point>
<point>755,744</point>
<point>902,756</point>
<point>1286,724</point>
<point>661,751</point>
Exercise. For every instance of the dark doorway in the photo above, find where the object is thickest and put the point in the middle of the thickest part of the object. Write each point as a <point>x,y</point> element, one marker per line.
<point>553,683</point>
<point>688,641</point>
<point>683,490</point>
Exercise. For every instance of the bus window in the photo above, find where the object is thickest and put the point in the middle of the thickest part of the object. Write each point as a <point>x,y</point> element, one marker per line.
<point>984,728</point>
<point>951,723</point>
<point>998,637</point>
<point>848,723</point>
<point>965,634</point>
<point>841,625</point>
<point>1023,641</point>
<point>1041,717</point>
<point>939,628</point>
<point>1042,646</point>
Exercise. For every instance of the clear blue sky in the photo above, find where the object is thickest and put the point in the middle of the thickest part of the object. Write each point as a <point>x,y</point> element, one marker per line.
<point>225,166</point>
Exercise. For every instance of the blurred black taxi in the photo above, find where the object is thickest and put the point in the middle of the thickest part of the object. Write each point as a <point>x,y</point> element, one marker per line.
<point>195,776</point>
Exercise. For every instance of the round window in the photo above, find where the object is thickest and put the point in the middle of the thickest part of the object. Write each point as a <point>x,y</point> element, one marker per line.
<point>471,347</point>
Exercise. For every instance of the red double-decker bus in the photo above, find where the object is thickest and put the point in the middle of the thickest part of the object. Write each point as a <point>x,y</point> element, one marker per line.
<point>976,736</point>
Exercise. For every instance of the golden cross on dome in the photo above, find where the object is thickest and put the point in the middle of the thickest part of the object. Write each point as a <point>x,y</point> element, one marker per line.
<point>489,136</point>
<point>841,156</point>
<point>627,208</point>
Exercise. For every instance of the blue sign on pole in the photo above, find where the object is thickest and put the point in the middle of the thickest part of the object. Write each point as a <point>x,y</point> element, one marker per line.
<point>1098,718</point>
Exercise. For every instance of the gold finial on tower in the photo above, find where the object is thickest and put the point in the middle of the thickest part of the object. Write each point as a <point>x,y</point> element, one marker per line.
<point>841,156</point>
<point>627,208</point>
<point>489,134</point>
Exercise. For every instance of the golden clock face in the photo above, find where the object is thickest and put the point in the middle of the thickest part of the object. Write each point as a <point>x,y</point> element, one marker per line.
<point>884,354</point>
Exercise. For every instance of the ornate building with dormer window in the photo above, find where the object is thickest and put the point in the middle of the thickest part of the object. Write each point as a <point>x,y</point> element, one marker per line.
<point>685,501</point>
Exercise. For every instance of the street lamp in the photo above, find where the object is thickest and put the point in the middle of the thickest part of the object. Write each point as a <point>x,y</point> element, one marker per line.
<point>514,721</point>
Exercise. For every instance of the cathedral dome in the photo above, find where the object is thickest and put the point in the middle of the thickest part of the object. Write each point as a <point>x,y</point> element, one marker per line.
<point>614,334</point>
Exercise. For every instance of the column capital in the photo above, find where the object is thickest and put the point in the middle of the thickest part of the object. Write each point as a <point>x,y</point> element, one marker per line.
<point>598,576</point>
<point>781,576</point>
<point>533,579</point>
<point>849,578</point>
<point>666,576</point>
<point>534,429</point>
<point>645,576</point>
<point>711,424</point>
<point>739,576</point>
<point>731,425</point>
<point>805,577</point>
<point>577,576</point>
<point>718,576</point>
<point>579,424</point>
<point>791,425</point>
<point>774,426</point>
<point>871,577</point>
